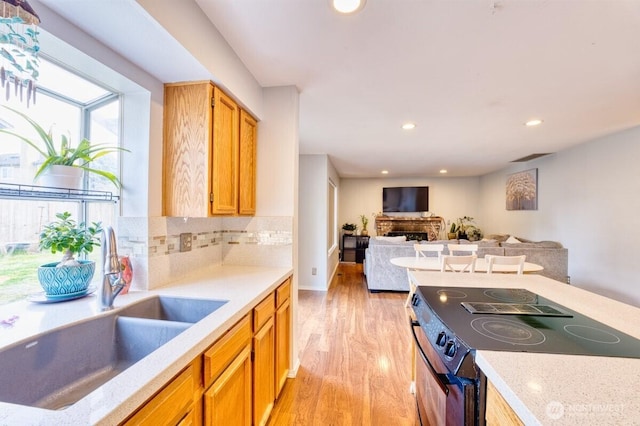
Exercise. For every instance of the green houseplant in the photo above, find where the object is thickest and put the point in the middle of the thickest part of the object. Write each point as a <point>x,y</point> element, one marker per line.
<point>79,157</point>
<point>349,228</point>
<point>365,221</point>
<point>69,276</point>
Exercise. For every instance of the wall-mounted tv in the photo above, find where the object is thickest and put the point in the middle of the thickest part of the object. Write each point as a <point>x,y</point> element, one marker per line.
<point>405,199</point>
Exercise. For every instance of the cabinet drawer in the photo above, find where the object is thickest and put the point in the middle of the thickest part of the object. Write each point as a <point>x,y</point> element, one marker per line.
<point>263,311</point>
<point>225,349</point>
<point>173,402</point>
<point>283,292</point>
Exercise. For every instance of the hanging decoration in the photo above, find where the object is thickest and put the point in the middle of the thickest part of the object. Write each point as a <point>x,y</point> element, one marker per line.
<point>19,49</point>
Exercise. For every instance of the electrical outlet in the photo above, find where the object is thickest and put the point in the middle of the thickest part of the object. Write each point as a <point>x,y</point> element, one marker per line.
<point>314,271</point>
<point>185,241</point>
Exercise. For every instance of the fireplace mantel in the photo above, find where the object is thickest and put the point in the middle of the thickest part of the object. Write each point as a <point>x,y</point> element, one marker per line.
<point>396,225</point>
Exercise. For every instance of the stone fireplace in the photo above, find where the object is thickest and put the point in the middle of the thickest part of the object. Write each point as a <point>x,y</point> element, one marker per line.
<point>415,228</point>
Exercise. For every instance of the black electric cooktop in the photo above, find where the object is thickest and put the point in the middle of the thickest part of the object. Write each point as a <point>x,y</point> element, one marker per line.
<point>519,320</point>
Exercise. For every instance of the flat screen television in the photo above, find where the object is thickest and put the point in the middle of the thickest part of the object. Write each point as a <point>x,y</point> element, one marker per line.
<point>405,199</point>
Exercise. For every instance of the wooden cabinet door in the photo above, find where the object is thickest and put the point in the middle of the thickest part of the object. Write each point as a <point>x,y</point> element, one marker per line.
<point>173,403</point>
<point>224,154</point>
<point>263,372</point>
<point>283,325</point>
<point>188,123</point>
<point>228,401</point>
<point>247,159</point>
<point>498,411</point>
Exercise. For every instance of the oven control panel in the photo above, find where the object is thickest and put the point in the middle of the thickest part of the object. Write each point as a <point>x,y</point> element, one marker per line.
<point>452,351</point>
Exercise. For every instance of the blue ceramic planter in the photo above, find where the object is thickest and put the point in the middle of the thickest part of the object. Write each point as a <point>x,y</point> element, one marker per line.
<point>66,279</point>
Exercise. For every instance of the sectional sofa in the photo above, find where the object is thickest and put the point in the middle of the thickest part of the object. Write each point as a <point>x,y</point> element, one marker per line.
<point>382,275</point>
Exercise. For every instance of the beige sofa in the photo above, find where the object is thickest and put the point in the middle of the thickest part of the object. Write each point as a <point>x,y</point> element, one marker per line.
<point>382,275</point>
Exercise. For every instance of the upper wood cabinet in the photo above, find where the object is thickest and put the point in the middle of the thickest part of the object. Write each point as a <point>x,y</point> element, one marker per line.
<point>209,154</point>
<point>247,175</point>
<point>188,124</point>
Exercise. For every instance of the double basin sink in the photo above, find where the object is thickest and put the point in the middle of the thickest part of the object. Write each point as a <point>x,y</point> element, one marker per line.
<point>59,367</point>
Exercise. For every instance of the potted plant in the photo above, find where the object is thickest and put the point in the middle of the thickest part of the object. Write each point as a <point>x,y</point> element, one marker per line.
<point>468,230</point>
<point>65,160</point>
<point>453,232</point>
<point>69,276</point>
<point>349,228</point>
<point>365,221</point>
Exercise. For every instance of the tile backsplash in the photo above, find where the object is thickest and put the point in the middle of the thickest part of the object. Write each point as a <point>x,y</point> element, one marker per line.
<point>153,244</point>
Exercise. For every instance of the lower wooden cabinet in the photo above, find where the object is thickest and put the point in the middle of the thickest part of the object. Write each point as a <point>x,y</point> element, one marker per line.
<point>263,360</point>
<point>283,334</point>
<point>498,411</point>
<point>237,379</point>
<point>228,401</point>
<point>175,403</point>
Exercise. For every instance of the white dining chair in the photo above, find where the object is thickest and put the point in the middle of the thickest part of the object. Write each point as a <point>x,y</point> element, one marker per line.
<point>516,261</point>
<point>464,248</point>
<point>459,263</point>
<point>423,249</point>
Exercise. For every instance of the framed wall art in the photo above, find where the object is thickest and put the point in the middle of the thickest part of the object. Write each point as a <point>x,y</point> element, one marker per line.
<point>522,190</point>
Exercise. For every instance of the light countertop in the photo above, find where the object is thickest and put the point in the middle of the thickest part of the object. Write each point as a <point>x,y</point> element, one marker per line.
<point>242,286</point>
<point>552,389</point>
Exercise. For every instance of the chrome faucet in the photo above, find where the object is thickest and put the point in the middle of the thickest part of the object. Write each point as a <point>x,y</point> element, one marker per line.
<point>112,282</point>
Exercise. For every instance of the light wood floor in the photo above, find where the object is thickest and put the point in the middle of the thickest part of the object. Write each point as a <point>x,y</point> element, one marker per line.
<point>355,358</point>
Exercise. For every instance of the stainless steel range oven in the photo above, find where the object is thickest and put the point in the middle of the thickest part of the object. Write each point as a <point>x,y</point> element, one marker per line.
<point>451,323</point>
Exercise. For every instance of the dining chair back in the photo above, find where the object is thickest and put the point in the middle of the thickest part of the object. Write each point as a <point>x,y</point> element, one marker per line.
<point>462,248</point>
<point>423,249</point>
<point>459,263</point>
<point>516,261</point>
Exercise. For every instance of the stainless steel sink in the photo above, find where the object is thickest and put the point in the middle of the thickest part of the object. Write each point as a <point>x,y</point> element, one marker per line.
<point>57,368</point>
<point>172,308</point>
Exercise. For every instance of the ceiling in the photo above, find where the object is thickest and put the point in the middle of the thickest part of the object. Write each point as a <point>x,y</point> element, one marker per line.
<point>469,73</point>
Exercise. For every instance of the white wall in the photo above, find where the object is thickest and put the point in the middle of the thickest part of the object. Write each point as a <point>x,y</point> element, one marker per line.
<point>277,167</point>
<point>188,24</point>
<point>449,198</point>
<point>313,222</point>
<point>588,200</point>
<point>333,257</point>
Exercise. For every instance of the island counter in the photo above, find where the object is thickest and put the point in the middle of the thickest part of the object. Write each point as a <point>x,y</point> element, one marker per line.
<point>559,389</point>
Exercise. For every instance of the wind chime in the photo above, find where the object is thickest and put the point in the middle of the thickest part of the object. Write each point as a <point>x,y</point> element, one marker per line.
<point>19,49</point>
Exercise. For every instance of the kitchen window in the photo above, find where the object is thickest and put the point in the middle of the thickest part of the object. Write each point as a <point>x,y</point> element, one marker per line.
<point>70,103</point>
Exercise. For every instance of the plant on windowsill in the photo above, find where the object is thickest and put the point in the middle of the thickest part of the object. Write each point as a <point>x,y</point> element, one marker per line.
<point>69,276</point>
<point>67,160</point>
<point>349,228</point>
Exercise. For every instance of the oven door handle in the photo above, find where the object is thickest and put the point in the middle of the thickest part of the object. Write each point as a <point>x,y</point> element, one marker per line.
<point>440,378</point>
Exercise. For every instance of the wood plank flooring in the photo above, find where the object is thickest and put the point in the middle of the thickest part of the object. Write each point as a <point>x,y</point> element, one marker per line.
<point>355,358</point>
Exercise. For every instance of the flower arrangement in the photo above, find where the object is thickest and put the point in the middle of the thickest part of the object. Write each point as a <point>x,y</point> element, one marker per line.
<point>467,229</point>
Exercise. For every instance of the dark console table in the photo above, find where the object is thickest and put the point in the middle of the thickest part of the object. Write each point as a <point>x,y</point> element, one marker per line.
<point>353,247</point>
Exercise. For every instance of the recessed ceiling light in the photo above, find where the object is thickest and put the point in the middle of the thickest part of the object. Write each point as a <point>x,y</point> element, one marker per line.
<point>534,122</point>
<point>443,171</point>
<point>348,6</point>
<point>409,126</point>
<point>385,172</point>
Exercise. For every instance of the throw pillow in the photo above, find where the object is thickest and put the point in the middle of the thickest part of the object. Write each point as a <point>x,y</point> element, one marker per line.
<point>512,240</point>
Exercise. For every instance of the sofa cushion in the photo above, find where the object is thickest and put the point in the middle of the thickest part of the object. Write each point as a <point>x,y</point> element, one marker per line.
<point>397,239</point>
<point>538,244</point>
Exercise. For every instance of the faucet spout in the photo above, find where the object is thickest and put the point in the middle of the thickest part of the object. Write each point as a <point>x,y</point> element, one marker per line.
<point>112,282</point>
